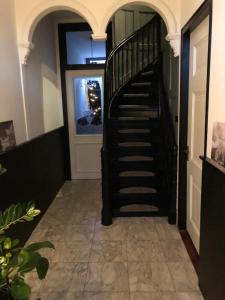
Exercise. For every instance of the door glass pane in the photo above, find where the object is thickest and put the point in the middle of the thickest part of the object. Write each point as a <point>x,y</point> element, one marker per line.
<point>81,49</point>
<point>88,97</point>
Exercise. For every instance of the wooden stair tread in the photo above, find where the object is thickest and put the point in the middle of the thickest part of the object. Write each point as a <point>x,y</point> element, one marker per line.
<point>138,208</point>
<point>124,131</point>
<point>138,190</point>
<point>136,95</point>
<point>135,144</point>
<point>135,106</point>
<point>148,73</point>
<point>136,158</point>
<point>141,84</point>
<point>133,119</point>
<point>137,174</point>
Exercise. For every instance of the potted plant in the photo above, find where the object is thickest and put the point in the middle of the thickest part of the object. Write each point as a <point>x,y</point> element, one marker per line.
<point>16,261</point>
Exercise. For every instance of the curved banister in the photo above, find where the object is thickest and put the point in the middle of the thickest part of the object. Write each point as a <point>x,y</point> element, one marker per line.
<point>128,58</point>
<point>126,40</point>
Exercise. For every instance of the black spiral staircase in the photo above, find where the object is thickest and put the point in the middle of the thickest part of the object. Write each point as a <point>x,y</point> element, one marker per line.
<point>139,151</point>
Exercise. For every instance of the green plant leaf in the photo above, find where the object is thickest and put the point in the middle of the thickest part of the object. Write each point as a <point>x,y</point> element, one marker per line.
<point>2,238</point>
<point>7,243</point>
<point>19,289</point>
<point>23,257</point>
<point>17,213</point>
<point>40,245</point>
<point>2,260</point>
<point>32,212</point>
<point>42,268</point>
<point>31,263</point>
<point>15,243</point>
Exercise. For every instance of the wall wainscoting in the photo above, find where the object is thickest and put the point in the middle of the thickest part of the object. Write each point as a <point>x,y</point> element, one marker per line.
<point>212,245</point>
<point>36,171</point>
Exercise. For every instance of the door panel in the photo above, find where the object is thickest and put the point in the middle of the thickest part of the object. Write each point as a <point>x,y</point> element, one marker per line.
<point>196,126</point>
<point>85,101</point>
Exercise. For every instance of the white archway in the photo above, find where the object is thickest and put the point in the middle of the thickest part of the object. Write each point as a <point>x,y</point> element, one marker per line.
<point>162,9</point>
<point>38,12</point>
<point>97,23</point>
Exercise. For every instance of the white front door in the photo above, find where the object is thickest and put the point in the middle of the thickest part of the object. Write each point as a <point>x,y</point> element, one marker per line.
<point>85,103</point>
<point>196,126</point>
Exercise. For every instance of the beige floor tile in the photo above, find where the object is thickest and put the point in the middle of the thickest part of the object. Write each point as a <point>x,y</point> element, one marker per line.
<point>116,232</point>
<point>61,296</point>
<point>150,277</point>
<point>63,277</point>
<point>34,282</point>
<point>92,257</point>
<point>55,232</point>
<point>184,277</point>
<point>34,296</point>
<point>175,251</point>
<point>79,277</point>
<point>74,251</point>
<point>105,277</point>
<point>81,233</point>
<point>166,231</point>
<point>153,296</point>
<point>108,251</point>
<point>142,232</point>
<point>190,296</point>
<point>106,296</point>
<point>144,251</point>
<point>84,218</point>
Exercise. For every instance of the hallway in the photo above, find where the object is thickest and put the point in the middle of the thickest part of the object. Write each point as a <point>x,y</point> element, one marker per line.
<point>134,259</point>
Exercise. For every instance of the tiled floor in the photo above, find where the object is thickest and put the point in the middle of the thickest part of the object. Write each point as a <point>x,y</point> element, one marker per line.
<point>134,259</point>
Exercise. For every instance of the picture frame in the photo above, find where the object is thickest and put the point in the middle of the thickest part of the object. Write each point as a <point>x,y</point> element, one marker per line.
<point>7,136</point>
<point>218,143</point>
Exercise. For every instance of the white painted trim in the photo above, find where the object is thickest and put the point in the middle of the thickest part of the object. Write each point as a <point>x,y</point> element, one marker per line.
<point>174,40</point>
<point>159,6</point>
<point>25,34</point>
<point>24,101</point>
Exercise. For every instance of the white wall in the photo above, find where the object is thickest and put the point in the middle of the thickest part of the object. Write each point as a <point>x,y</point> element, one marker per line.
<point>188,8</point>
<point>11,103</point>
<point>43,92</point>
<point>217,76</point>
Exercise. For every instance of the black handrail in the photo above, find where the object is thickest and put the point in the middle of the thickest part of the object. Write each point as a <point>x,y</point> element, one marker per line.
<point>169,147</point>
<point>126,40</point>
<point>139,49</point>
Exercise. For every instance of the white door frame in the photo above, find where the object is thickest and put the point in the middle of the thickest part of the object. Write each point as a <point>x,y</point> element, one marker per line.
<point>204,10</point>
<point>196,126</point>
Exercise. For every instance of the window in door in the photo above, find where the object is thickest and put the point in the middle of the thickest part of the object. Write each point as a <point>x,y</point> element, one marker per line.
<point>88,99</point>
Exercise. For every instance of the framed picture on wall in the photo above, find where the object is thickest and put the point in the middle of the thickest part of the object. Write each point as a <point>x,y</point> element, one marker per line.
<point>218,143</point>
<point>7,136</point>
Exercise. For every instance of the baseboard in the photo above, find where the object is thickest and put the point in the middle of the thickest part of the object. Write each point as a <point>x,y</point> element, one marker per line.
<point>194,256</point>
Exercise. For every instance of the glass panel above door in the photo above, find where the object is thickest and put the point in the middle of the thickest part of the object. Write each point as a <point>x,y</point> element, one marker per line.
<point>81,49</point>
<point>88,100</point>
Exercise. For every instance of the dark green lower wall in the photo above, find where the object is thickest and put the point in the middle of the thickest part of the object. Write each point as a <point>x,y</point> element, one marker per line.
<point>36,171</point>
<point>212,244</point>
